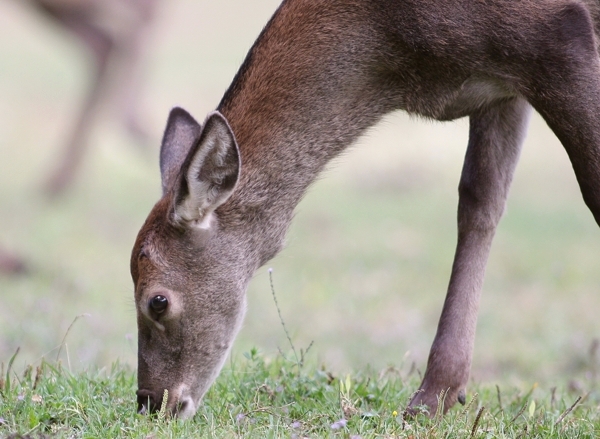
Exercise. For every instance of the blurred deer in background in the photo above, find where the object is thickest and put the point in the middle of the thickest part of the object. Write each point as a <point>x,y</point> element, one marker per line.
<point>113,33</point>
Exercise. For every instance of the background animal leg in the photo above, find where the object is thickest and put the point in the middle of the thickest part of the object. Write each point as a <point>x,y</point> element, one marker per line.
<point>101,46</point>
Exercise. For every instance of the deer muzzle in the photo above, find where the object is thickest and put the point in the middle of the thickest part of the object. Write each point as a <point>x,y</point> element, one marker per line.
<point>179,403</point>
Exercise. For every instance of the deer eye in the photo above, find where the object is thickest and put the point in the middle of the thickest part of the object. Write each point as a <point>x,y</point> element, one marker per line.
<point>159,304</point>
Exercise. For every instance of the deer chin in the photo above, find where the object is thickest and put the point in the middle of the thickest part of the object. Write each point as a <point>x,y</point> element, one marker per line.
<point>183,398</point>
<point>188,408</point>
<point>188,396</point>
<point>185,406</point>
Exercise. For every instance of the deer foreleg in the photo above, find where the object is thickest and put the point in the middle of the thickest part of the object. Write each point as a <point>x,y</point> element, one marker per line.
<point>495,138</point>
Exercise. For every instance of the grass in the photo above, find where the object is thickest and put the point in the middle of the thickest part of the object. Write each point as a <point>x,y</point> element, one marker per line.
<point>369,251</point>
<point>274,397</point>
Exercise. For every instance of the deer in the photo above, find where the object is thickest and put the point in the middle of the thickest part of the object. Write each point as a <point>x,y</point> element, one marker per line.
<point>320,74</point>
<point>113,33</point>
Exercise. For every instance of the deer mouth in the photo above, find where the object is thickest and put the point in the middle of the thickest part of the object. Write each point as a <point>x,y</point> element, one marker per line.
<point>182,406</point>
<point>147,402</point>
<point>185,407</point>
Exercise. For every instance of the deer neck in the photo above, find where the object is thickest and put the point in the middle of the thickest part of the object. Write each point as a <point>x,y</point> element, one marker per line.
<point>292,109</point>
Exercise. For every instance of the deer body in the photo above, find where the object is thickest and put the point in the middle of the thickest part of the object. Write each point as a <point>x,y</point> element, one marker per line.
<point>319,75</point>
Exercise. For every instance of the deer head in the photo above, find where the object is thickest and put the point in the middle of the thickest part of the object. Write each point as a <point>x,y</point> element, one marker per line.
<point>188,274</point>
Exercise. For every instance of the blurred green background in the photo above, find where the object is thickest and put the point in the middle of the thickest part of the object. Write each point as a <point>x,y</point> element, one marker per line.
<point>369,253</point>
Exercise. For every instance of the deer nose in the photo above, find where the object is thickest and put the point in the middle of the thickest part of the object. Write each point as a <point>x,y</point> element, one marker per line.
<point>147,402</point>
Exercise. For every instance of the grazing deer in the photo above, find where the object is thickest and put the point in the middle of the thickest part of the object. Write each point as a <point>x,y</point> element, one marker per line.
<point>318,76</point>
<point>112,31</point>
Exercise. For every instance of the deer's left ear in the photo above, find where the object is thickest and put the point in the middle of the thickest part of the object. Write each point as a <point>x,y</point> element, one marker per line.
<point>181,134</point>
<point>208,175</point>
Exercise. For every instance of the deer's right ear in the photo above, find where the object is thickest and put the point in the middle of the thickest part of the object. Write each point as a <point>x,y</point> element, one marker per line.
<point>181,134</point>
<point>209,174</point>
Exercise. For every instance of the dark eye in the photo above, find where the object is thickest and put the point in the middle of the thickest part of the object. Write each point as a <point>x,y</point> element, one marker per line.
<point>159,304</point>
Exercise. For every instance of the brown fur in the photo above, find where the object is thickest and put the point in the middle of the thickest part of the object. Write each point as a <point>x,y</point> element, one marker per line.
<point>320,74</point>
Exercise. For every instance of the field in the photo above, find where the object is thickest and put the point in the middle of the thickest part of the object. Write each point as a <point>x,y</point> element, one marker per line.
<point>278,397</point>
<point>368,256</point>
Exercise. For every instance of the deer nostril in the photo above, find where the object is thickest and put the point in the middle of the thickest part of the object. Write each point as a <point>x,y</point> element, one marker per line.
<point>147,402</point>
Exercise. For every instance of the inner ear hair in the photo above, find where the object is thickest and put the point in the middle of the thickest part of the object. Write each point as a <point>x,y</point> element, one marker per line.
<point>209,174</point>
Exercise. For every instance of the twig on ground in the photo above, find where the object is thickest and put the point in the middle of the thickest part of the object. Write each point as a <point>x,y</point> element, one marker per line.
<point>287,334</point>
<point>469,404</point>
<point>567,411</point>
<point>477,419</point>
<point>499,397</point>
<point>38,375</point>
<point>67,333</point>
<point>519,413</point>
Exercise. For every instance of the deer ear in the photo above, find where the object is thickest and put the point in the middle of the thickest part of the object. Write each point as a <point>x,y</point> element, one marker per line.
<point>208,175</point>
<point>181,134</point>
